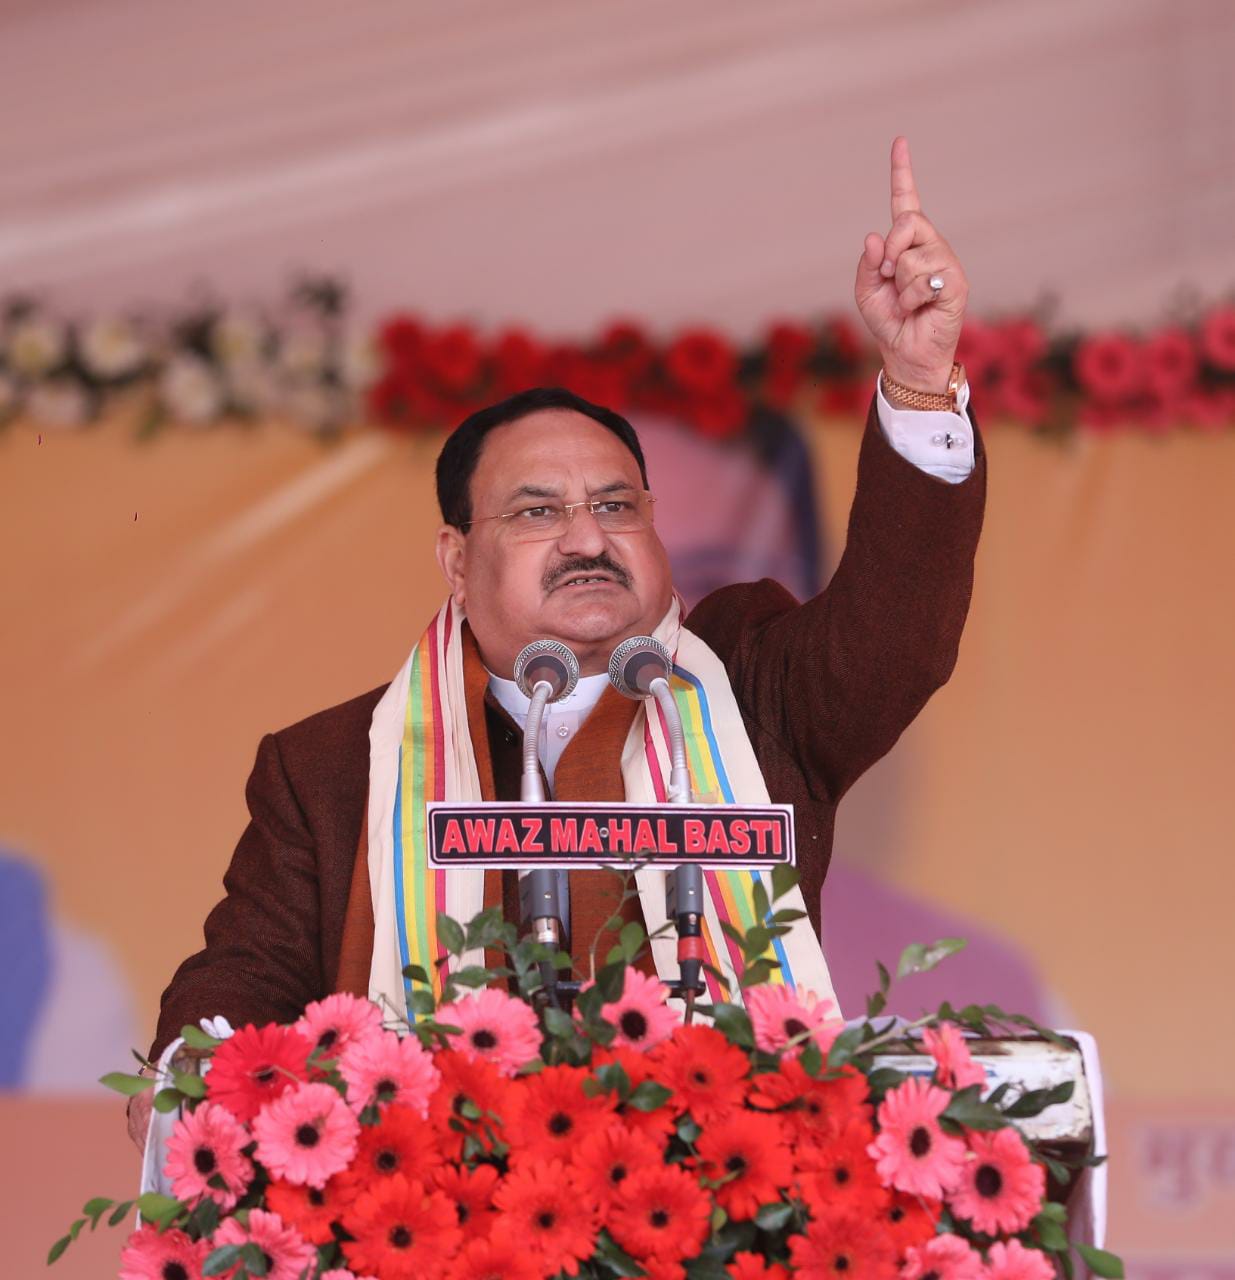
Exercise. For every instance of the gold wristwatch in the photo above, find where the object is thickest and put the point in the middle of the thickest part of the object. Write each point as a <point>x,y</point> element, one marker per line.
<point>940,401</point>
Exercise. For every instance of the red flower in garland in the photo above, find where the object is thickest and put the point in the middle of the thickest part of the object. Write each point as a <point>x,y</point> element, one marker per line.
<point>706,1073</point>
<point>754,1266</point>
<point>841,1246</point>
<point>255,1066</point>
<point>518,362</point>
<point>787,348</point>
<point>402,1231</point>
<point>471,1192</point>
<point>1171,364</point>
<point>908,1220</point>
<point>749,1153</point>
<point>656,1124</point>
<point>541,1208</point>
<point>605,1160</point>
<point>837,1173</point>
<point>626,347</point>
<point>1218,338</point>
<point>701,362</point>
<point>719,414</point>
<point>400,1142</point>
<point>661,1212</point>
<point>466,1081</point>
<point>1110,367</point>
<point>814,1110</point>
<point>311,1210</point>
<point>594,380</point>
<point>452,359</point>
<point>550,1114</point>
<point>401,338</point>
<point>500,1256</point>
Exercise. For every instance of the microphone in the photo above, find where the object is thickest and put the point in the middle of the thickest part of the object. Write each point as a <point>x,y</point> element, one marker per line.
<point>545,671</point>
<point>640,667</point>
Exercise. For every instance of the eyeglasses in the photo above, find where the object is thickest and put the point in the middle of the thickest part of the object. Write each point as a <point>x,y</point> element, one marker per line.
<point>624,511</point>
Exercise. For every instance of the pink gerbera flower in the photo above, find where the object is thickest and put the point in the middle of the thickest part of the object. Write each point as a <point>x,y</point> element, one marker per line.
<point>1010,1260</point>
<point>332,1024</point>
<point>495,1026</point>
<point>912,1153</point>
<point>306,1136</point>
<point>779,1014</point>
<point>640,1013</point>
<point>208,1144</point>
<point>1000,1188</point>
<point>954,1068</point>
<point>254,1066</point>
<point>151,1254</point>
<point>289,1254</point>
<point>942,1258</point>
<point>386,1068</point>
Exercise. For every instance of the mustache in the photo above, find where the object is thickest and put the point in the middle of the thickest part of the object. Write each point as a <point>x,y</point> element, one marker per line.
<point>578,565</point>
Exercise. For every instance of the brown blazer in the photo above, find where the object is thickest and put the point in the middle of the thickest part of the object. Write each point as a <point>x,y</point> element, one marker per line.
<point>825,689</point>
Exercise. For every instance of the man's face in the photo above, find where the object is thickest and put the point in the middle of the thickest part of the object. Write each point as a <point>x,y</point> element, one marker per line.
<point>588,588</point>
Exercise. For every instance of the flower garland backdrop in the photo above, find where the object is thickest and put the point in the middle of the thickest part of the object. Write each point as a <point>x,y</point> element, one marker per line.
<point>305,361</point>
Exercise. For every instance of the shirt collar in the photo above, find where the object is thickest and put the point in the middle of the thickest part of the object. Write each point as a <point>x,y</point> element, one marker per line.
<point>581,699</point>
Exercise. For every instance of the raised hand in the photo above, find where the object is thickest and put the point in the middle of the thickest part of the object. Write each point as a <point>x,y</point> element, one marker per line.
<point>916,329</point>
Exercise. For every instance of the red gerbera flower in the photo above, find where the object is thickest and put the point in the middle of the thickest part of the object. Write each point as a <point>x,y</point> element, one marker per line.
<point>837,1173</point>
<point>499,1256</point>
<point>639,1066</point>
<point>471,1192</point>
<point>466,1083</point>
<point>402,1230</point>
<point>841,1246</point>
<point>1110,367</point>
<point>550,1114</point>
<point>541,1208</point>
<point>706,1073</point>
<point>1000,1189</point>
<point>754,1266</point>
<point>749,1152</point>
<point>255,1066</point>
<point>701,362</point>
<point>661,1212</point>
<point>907,1220</point>
<point>813,1110</point>
<point>311,1210</point>
<point>1218,337</point>
<point>400,1142</point>
<point>605,1160</point>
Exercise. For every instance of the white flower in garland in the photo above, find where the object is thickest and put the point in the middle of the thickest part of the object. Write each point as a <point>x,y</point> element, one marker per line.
<point>112,348</point>
<point>60,402</point>
<point>360,364</point>
<point>36,346</point>
<point>190,390</point>
<point>238,338</point>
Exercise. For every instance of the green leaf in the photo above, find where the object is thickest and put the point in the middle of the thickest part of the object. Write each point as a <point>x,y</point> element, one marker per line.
<point>450,934</point>
<point>885,978</point>
<point>1108,1265</point>
<point>882,1079</point>
<point>689,1130</point>
<point>1034,1101</point>
<point>189,1083</point>
<point>844,1046</point>
<point>1050,1233</point>
<point>611,1254</point>
<point>94,1209</point>
<point>254,1259</point>
<point>158,1208</point>
<point>733,933</point>
<point>472,975</point>
<point>167,1100</point>
<point>631,939</point>
<point>119,1213</point>
<point>57,1249</point>
<point>648,1096</point>
<point>875,1004</point>
<point>918,957</point>
<point>759,901</point>
<point>196,1038</point>
<point>221,1259</point>
<point>612,1076</point>
<point>772,1217</point>
<point>811,1059</point>
<point>611,980</point>
<point>968,1109</point>
<point>784,878</point>
<point>787,915</point>
<point>422,1001</point>
<point>414,973</point>
<point>559,1023</point>
<point>734,1023</point>
<point>126,1084</point>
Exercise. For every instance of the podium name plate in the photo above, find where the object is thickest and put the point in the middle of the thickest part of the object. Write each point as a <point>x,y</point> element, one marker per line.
<point>719,837</point>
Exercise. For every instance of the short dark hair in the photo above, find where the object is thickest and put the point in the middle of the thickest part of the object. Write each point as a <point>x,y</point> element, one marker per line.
<point>457,461</point>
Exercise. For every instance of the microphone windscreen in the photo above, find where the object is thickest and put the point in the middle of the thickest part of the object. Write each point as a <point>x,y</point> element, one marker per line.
<point>636,662</point>
<point>550,661</point>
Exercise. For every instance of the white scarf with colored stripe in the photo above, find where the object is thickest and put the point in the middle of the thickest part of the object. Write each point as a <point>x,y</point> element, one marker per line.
<point>420,749</point>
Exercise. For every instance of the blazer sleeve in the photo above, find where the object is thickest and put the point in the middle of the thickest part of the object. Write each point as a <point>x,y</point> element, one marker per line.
<point>837,680</point>
<point>261,961</point>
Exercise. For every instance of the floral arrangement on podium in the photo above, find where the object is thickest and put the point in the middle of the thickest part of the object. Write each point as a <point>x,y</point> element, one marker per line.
<point>496,1135</point>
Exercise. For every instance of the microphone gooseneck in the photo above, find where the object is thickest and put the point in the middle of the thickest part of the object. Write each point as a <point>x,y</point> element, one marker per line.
<point>640,667</point>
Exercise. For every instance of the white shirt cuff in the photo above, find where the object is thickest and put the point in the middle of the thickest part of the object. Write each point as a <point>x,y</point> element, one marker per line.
<point>941,444</point>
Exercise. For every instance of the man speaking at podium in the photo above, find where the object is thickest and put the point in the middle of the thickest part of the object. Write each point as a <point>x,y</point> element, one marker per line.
<point>549,532</point>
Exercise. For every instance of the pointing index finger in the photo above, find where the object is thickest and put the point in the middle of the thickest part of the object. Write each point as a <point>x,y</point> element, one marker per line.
<point>904,191</point>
